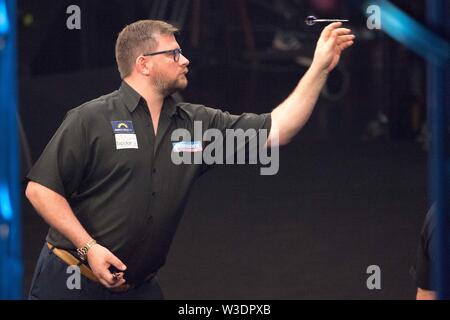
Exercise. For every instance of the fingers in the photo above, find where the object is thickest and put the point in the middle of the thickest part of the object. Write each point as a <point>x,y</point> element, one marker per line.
<point>118,279</point>
<point>329,28</point>
<point>100,261</point>
<point>342,31</point>
<point>337,33</point>
<point>107,281</point>
<point>334,27</point>
<point>114,261</point>
<point>343,39</point>
<point>345,45</point>
<point>109,284</point>
<point>112,280</point>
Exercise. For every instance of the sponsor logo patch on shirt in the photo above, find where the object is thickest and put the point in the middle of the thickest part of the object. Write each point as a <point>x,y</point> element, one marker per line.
<point>126,141</point>
<point>187,146</point>
<point>122,127</point>
<point>124,134</point>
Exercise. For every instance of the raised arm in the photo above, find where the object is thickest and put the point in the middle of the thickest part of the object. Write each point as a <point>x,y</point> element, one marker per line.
<point>291,115</point>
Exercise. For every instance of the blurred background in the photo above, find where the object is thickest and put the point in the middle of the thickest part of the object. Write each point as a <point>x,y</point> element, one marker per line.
<point>352,187</point>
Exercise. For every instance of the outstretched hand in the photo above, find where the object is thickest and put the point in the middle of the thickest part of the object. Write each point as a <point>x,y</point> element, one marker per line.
<point>333,40</point>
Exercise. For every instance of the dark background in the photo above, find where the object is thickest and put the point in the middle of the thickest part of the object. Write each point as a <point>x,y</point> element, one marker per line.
<point>352,187</point>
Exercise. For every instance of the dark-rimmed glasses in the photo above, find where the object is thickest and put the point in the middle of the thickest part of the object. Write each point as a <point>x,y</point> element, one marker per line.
<point>175,52</point>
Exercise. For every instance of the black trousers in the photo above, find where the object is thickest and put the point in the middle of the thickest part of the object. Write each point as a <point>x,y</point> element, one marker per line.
<point>51,281</point>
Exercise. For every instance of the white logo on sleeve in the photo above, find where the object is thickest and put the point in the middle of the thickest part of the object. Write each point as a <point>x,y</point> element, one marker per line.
<point>187,146</point>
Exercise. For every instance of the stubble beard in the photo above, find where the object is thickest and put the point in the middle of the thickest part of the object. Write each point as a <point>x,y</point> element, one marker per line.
<point>166,86</point>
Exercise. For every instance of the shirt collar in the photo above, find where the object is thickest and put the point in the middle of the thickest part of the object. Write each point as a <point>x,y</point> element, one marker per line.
<point>132,99</point>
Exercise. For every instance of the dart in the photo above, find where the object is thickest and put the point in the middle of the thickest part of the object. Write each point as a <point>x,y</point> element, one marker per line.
<point>312,20</point>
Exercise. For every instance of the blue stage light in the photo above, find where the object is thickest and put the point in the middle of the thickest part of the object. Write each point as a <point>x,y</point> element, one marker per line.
<point>4,21</point>
<point>5,203</point>
<point>411,33</point>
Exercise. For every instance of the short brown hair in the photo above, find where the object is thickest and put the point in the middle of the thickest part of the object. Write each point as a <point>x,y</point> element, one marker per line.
<point>137,38</point>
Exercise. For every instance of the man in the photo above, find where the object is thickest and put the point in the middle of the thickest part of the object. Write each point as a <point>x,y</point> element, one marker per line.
<point>105,182</point>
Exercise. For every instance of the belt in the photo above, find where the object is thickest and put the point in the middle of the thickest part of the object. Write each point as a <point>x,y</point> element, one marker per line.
<point>68,258</point>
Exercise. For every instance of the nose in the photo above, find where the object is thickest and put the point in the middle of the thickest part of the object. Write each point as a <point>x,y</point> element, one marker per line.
<point>183,60</point>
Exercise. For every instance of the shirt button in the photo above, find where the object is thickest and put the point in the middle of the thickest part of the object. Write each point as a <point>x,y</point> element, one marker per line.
<point>154,170</point>
<point>153,193</point>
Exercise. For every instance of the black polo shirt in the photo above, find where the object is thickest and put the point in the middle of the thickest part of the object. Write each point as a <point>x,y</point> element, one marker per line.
<point>118,176</point>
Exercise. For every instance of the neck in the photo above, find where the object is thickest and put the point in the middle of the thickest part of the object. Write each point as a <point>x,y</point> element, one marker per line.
<point>153,98</point>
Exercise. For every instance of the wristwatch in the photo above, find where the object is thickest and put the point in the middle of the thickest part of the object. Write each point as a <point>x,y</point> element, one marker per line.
<point>82,252</point>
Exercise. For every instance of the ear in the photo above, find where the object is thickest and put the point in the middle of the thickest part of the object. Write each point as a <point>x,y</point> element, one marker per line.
<point>143,65</point>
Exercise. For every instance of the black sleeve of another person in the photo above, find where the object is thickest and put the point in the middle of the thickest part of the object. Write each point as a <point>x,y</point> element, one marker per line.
<point>425,255</point>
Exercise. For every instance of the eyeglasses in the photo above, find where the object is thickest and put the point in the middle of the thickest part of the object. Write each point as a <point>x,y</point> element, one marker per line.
<point>175,52</point>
